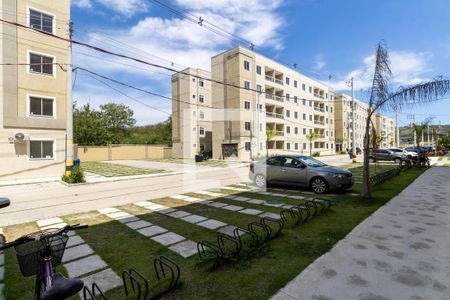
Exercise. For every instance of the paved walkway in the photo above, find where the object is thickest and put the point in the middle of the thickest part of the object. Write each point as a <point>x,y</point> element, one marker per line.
<point>400,252</point>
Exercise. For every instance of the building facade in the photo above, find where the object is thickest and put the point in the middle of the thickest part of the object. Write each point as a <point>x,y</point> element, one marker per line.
<point>33,89</point>
<point>385,127</point>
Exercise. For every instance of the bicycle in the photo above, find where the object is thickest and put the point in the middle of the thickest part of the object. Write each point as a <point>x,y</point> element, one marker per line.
<point>38,254</point>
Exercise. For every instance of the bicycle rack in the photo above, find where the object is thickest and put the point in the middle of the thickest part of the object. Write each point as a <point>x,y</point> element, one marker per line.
<point>262,228</point>
<point>221,240</point>
<point>305,208</point>
<point>290,214</point>
<point>91,293</point>
<point>239,231</point>
<point>318,204</point>
<point>133,281</point>
<point>313,205</point>
<point>208,251</point>
<point>278,223</point>
<point>166,263</point>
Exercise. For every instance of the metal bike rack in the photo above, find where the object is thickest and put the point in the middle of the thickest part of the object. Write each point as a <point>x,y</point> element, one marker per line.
<point>92,293</point>
<point>208,251</point>
<point>166,264</point>
<point>222,241</point>
<point>135,283</point>
<point>306,209</point>
<point>266,230</point>
<point>312,205</point>
<point>238,232</point>
<point>274,232</point>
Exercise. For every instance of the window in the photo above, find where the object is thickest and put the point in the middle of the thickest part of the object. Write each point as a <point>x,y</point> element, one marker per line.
<point>295,99</point>
<point>310,117</point>
<point>248,146</point>
<point>295,115</point>
<point>304,117</point>
<point>303,87</point>
<point>310,103</point>
<point>201,131</point>
<point>326,133</point>
<point>326,108</point>
<point>331,121</point>
<point>41,107</point>
<point>194,129</point>
<point>326,95</point>
<point>288,97</point>
<point>202,147</point>
<point>41,150</point>
<point>287,80</point>
<point>304,131</point>
<point>247,85</point>
<point>193,96</point>
<point>246,65</point>
<point>296,130</point>
<point>246,105</point>
<point>331,109</point>
<point>260,127</point>
<point>288,129</point>
<point>41,64</point>
<point>202,115</point>
<point>296,146</point>
<point>41,21</point>
<point>288,113</point>
<point>193,79</point>
<point>194,145</point>
<point>326,121</point>
<point>304,102</point>
<point>327,145</point>
<point>201,99</point>
<point>247,126</point>
<point>288,146</point>
<point>259,88</point>
<point>295,83</point>
<point>304,145</point>
<point>310,90</point>
<point>258,70</point>
<point>201,83</point>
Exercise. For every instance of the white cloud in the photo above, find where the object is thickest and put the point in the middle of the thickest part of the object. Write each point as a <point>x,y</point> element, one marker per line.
<point>319,62</point>
<point>82,3</point>
<point>126,7</point>
<point>407,68</point>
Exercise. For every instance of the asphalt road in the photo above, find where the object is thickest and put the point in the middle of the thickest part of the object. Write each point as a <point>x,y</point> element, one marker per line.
<point>40,201</point>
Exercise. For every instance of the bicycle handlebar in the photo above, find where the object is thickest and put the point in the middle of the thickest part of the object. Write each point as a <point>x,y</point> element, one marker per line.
<point>27,238</point>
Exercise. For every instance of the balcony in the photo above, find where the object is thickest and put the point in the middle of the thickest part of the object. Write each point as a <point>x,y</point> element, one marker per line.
<point>319,96</point>
<point>273,79</point>
<point>274,97</point>
<point>317,122</point>
<point>274,115</point>
<point>320,136</point>
<point>320,109</point>
<point>279,133</point>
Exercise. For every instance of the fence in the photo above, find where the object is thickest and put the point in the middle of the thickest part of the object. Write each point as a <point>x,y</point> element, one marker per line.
<point>118,152</point>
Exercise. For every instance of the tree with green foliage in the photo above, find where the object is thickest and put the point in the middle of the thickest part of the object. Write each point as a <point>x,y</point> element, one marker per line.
<point>311,137</point>
<point>118,118</point>
<point>89,128</point>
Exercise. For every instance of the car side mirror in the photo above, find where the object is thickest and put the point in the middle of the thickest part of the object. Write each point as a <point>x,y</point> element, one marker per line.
<point>4,202</point>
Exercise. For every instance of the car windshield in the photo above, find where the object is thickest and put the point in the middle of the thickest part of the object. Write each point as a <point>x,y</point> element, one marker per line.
<point>310,162</point>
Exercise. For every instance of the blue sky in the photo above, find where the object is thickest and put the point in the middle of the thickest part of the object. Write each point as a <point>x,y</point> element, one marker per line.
<point>329,40</point>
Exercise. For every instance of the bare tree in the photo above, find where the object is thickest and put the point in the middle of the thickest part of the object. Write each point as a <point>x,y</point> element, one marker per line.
<point>383,98</point>
<point>311,137</point>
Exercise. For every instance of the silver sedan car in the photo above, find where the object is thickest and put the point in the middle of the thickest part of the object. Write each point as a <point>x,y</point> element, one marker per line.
<point>301,171</point>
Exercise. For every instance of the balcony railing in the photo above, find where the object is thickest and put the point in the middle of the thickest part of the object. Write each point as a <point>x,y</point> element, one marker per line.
<point>273,79</point>
<point>274,115</point>
<point>279,133</point>
<point>318,96</point>
<point>321,109</point>
<point>317,122</point>
<point>274,97</point>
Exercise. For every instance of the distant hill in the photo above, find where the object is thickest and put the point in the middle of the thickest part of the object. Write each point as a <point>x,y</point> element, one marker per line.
<point>406,132</point>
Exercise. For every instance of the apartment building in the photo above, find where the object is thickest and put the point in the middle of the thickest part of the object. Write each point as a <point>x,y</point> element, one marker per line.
<point>385,127</point>
<point>33,91</point>
<point>191,113</point>
<point>273,112</point>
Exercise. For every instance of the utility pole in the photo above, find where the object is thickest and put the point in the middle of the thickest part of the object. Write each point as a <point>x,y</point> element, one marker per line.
<point>258,111</point>
<point>69,107</point>
<point>397,129</point>
<point>413,118</point>
<point>428,134</point>
<point>350,83</point>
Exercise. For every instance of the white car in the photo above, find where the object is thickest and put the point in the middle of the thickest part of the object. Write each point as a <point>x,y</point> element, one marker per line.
<point>407,153</point>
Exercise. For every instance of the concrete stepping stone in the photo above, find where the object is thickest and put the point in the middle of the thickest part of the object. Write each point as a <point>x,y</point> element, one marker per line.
<point>217,204</point>
<point>193,219</point>
<point>84,266</point>
<point>108,210</point>
<point>231,197</point>
<point>142,203</point>
<point>77,252</point>
<point>270,215</point>
<point>179,214</point>
<point>251,211</point>
<point>179,197</point>
<point>288,206</point>
<point>166,211</point>
<point>130,219</point>
<point>118,215</point>
<point>233,207</point>
<point>228,230</point>
<point>243,199</point>
<point>74,241</point>
<point>54,226</point>
<point>234,189</point>
<point>296,197</point>
<point>185,249</point>
<point>208,193</point>
<point>106,280</point>
<point>47,222</point>
<point>169,238</point>
<point>256,201</point>
<point>151,231</point>
<point>211,224</point>
<point>138,224</point>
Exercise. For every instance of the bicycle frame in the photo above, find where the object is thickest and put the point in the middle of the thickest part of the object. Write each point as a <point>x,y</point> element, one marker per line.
<point>45,277</point>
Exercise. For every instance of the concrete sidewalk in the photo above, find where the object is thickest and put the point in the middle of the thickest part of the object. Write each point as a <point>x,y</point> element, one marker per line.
<point>400,252</point>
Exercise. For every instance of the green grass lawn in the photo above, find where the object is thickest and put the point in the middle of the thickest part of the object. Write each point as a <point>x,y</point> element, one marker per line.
<point>209,163</point>
<point>115,170</point>
<point>259,277</point>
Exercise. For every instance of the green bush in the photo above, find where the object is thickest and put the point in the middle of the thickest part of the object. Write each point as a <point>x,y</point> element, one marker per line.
<point>316,154</point>
<point>76,176</point>
<point>343,152</point>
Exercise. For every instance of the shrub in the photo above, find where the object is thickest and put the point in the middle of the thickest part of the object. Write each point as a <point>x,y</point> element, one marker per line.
<point>342,152</point>
<point>316,154</point>
<point>76,176</point>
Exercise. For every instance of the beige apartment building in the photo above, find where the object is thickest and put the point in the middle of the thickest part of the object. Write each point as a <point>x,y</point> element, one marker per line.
<point>385,127</point>
<point>287,108</point>
<point>33,91</point>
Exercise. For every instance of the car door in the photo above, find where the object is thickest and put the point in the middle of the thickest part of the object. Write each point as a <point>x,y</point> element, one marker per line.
<point>293,171</point>
<point>273,168</point>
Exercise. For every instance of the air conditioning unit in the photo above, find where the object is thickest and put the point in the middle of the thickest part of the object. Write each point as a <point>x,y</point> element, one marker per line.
<point>20,137</point>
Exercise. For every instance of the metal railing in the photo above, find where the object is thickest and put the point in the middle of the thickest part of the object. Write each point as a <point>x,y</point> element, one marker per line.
<point>321,109</point>
<point>274,115</point>
<point>274,97</point>
<point>319,122</point>
<point>273,79</point>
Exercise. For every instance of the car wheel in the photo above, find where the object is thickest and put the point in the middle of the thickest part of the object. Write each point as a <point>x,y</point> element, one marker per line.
<point>319,185</point>
<point>260,180</point>
<point>371,160</point>
<point>397,160</point>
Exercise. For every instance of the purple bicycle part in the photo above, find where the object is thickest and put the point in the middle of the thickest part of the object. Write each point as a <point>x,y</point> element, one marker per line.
<point>48,273</point>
